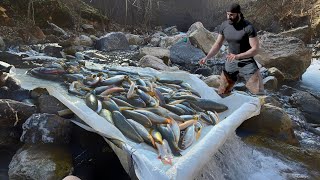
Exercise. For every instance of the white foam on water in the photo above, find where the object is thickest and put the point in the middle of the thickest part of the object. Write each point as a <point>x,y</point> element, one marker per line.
<point>236,160</point>
<point>310,79</point>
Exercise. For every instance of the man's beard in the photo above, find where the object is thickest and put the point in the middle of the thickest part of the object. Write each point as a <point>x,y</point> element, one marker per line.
<point>234,21</point>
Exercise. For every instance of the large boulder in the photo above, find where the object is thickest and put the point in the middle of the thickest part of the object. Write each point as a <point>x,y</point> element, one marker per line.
<point>288,54</point>
<point>195,26</point>
<point>112,41</point>
<point>213,81</point>
<point>308,104</point>
<point>183,53</point>
<point>272,122</point>
<point>304,33</point>
<point>40,162</point>
<point>202,39</point>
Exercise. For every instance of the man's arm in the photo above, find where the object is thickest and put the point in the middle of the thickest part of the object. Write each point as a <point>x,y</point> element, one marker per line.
<point>214,49</point>
<point>254,43</point>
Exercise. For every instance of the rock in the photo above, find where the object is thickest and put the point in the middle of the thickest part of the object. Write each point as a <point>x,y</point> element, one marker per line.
<point>272,122</point>
<point>13,59</point>
<point>4,18</point>
<point>71,50</point>
<point>168,41</point>
<point>12,83</point>
<point>112,41</point>
<point>183,53</point>
<point>53,50</point>
<point>46,129</point>
<point>14,113</point>
<point>49,104</point>
<point>288,54</point>
<point>195,26</point>
<point>88,28</point>
<point>304,33</point>
<point>205,71</point>
<point>135,39</point>
<point>171,30</point>
<point>85,41</point>
<point>10,136</point>
<point>155,41</point>
<point>270,100</point>
<point>270,83</point>
<point>308,104</point>
<point>153,62</point>
<point>40,162</point>
<point>277,74</point>
<point>2,44</point>
<point>240,86</point>
<point>213,81</point>
<point>71,41</point>
<point>158,52</point>
<point>202,39</point>
<point>37,33</point>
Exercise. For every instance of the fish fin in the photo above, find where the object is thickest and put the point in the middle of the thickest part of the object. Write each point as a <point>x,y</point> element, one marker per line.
<point>198,134</point>
<point>218,118</point>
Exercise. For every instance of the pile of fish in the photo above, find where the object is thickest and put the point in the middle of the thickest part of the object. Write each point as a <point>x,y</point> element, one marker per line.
<point>156,111</point>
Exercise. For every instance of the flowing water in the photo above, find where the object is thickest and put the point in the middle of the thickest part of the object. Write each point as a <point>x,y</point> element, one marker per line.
<point>236,160</point>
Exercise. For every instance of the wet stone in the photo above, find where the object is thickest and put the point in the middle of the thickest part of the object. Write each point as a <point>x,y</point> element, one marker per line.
<point>49,104</point>
<point>46,128</point>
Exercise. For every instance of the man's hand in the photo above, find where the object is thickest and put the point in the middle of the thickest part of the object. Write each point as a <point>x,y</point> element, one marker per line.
<point>203,61</point>
<point>231,57</point>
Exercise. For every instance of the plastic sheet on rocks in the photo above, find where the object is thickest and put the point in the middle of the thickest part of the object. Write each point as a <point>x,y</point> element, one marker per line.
<point>141,160</point>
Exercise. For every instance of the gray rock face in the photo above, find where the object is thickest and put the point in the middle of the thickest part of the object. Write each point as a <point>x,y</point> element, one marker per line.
<point>112,41</point>
<point>46,128</point>
<point>308,104</point>
<point>183,53</point>
<point>288,54</point>
<point>203,39</point>
<point>40,162</point>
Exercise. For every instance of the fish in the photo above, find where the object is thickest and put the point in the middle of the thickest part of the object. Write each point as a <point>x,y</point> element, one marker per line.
<point>125,127</point>
<point>113,80</point>
<point>209,105</point>
<point>106,114</point>
<point>140,118</point>
<point>168,135</point>
<point>110,105</point>
<point>187,138</point>
<point>155,119</point>
<point>186,124</point>
<point>131,90</point>
<point>156,135</point>
<point>214,117</point>
<point>143,132</point>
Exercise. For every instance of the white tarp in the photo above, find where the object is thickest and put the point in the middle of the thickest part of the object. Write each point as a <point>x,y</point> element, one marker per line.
<point>144,158</point>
